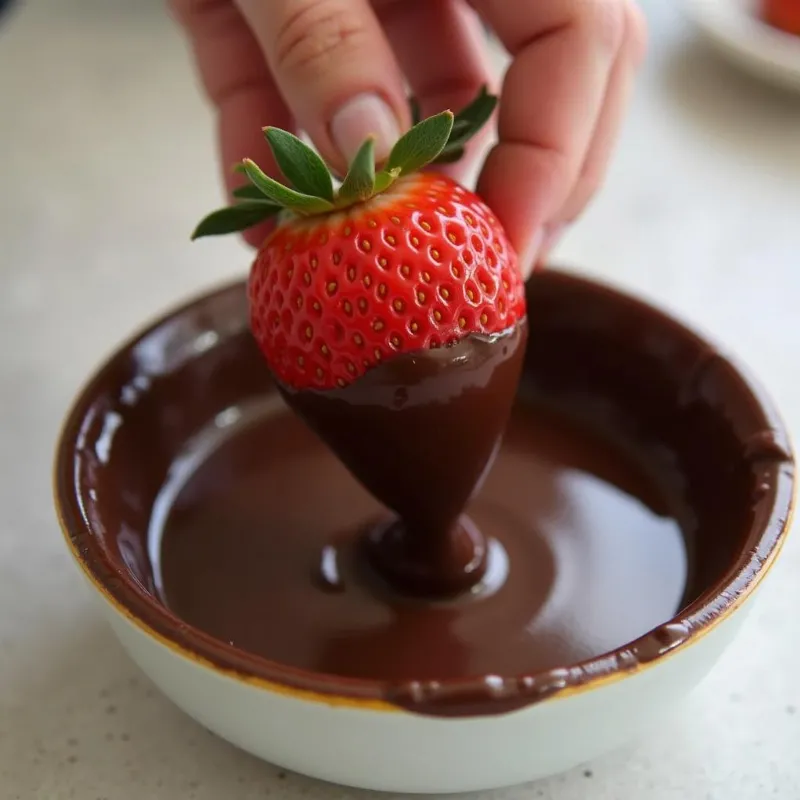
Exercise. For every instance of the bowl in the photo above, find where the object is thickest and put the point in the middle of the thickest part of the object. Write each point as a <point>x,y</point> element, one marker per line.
<point>626,369</point>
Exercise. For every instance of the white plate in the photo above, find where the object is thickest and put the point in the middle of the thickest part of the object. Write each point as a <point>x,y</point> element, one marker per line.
<point>735,28</point>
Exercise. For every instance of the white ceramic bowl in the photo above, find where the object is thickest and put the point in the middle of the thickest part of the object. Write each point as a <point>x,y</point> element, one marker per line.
<point>735,29</point>
<point>341,730</point>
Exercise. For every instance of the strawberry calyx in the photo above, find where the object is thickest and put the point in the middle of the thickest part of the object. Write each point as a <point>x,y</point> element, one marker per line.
<point>309,189</point>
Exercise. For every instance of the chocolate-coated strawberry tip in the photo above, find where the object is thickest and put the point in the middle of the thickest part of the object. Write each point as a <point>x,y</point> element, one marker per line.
<point>419,432</point>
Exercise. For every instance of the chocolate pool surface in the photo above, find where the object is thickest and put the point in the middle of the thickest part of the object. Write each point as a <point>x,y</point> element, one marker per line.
<point>260,547</point>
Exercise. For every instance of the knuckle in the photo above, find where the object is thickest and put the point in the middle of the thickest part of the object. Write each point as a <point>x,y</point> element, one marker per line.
<point>316,33</point>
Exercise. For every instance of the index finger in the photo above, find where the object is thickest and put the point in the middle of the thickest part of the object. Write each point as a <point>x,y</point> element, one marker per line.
<point>563,52</point>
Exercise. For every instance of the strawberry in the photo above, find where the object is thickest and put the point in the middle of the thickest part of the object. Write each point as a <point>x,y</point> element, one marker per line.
<point>393,262</point>
<point>783,14</point>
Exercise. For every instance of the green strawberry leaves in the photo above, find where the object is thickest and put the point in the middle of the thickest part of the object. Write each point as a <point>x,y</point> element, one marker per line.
<point>473,117</point>
<point>466,124</point>
<point>301,165</point>
<point>439,139</point>
<point>385,178</point>
<point>359,183</point>
<point>235,218</point>
<point>421,144</point>
<point>282,195</point>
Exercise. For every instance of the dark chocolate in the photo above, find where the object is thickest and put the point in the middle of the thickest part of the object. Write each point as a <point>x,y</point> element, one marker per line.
<point>584,557</point>
<point>676,435</point>
<point>419,432</point>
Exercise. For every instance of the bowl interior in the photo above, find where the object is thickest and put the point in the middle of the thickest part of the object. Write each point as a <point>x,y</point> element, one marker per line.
<point>633,375</point>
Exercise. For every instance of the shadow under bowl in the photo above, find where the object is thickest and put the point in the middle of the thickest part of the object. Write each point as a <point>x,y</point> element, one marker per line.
<point>618,367</point>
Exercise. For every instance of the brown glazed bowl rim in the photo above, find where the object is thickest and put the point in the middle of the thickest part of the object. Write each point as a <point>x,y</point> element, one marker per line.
<point>141,608</point>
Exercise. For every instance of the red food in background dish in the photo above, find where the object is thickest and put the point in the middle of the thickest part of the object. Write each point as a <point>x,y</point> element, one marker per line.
<point>783,14</point>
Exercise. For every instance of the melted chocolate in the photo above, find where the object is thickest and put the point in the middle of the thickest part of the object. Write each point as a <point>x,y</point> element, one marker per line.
<point>664,428</point>
<point>584,557</point>
<point>419,432</point>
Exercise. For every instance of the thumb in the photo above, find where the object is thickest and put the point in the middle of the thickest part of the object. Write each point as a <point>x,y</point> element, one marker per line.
<point>335,70</point>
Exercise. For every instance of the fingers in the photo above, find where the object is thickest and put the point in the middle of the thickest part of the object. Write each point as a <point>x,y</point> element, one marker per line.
<point>334,66</point>
<point>238,82</point>
<point>601,147</point>
<point>553,96</point>
<point>441,49</point>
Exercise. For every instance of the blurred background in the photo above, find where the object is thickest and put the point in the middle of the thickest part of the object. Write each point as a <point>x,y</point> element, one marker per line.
<point>107,160</point>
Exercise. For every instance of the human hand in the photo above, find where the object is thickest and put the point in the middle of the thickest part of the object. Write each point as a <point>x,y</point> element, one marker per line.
<point>336,69</point>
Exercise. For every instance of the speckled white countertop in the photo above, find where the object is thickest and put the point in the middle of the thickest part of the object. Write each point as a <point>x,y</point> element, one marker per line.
<point>105,154</point>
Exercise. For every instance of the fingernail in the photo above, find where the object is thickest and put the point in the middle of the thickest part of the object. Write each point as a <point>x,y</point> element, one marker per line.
<point>360,117</point>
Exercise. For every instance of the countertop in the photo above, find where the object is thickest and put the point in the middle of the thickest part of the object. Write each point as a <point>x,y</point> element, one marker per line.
<point>106,154</point>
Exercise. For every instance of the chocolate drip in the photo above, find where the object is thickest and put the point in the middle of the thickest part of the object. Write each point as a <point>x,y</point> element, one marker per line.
<point>419,432</point>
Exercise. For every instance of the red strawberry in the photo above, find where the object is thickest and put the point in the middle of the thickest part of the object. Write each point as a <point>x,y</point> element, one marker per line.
<point>391,263</point>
